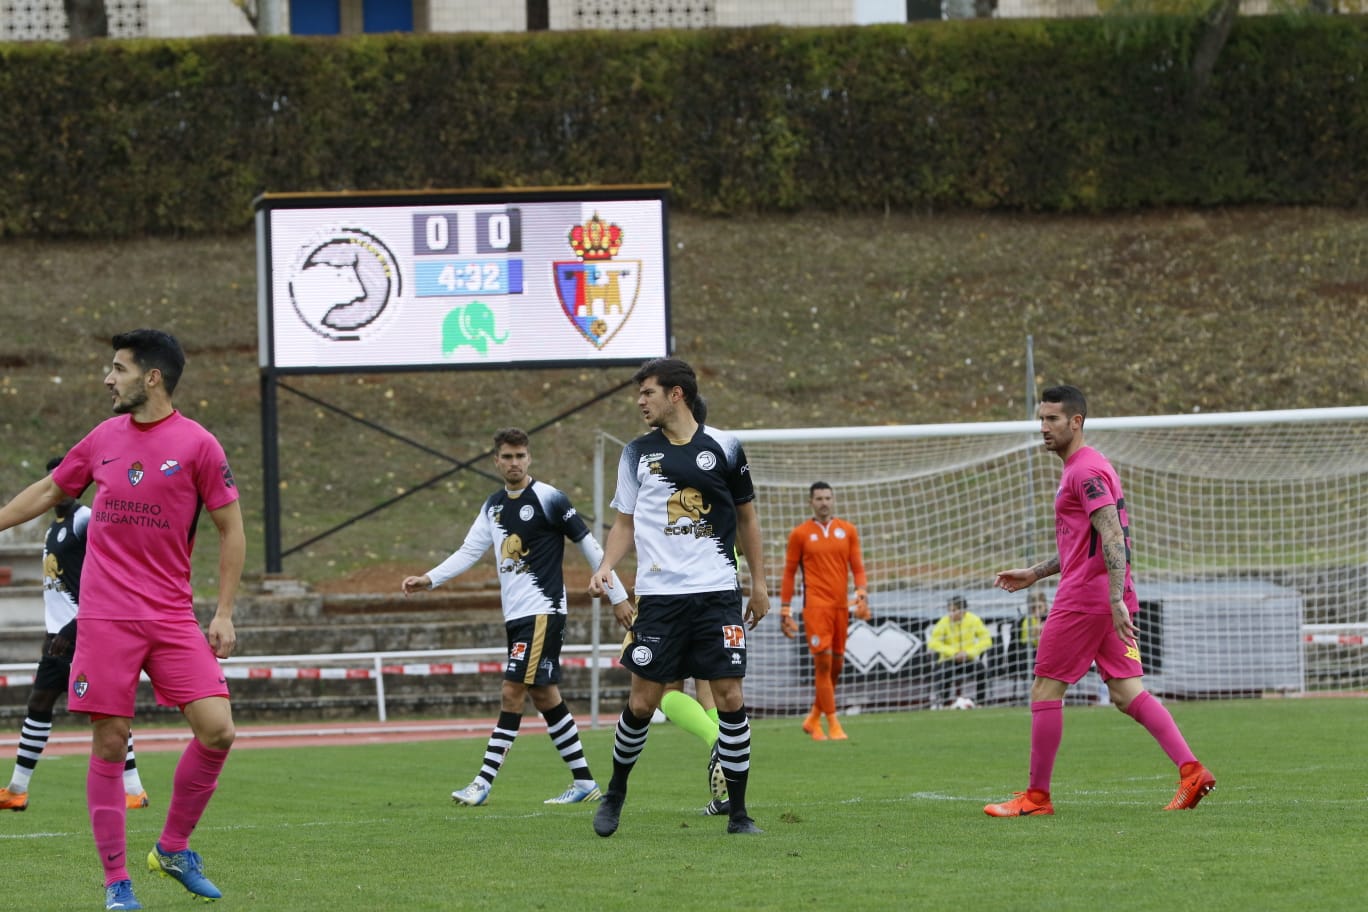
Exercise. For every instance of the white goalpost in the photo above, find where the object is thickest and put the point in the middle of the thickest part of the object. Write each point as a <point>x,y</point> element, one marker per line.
<point>1249,535</point>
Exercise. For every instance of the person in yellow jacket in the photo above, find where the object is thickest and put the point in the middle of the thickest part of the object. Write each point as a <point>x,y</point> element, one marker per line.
<point>958,640</point>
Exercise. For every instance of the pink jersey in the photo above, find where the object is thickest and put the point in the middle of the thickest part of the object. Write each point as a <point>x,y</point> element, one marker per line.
<point>152,482</point>
<point>1089,482</point>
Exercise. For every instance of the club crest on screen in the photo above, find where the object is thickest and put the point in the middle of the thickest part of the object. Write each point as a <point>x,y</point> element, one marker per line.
<point>596,291</point>
<point>342,282</point>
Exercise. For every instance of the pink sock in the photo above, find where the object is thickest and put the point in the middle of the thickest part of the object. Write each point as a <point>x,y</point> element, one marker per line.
<point>191,788</point>
<point>1157,720</point>
<point>1047,730</point>
<point>105,799</point>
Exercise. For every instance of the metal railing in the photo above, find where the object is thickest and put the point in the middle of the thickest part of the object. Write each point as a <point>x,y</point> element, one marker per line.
<point>372,666</point>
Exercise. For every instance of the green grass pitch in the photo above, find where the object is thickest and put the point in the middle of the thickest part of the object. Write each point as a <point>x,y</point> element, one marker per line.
<point>891,819</point>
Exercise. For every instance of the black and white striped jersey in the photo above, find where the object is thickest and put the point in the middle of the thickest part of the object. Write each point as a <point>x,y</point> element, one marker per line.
<point>683,499</point>
<point>527,530</point>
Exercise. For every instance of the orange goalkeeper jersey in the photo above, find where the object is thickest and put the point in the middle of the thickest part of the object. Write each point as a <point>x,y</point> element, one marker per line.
<point>828,555</point>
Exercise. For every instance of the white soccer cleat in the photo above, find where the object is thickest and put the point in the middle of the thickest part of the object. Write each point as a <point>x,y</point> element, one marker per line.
<point>579,790</point>
<point>473,794</point>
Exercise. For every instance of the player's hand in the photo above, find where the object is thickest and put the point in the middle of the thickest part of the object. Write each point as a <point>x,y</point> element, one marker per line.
<point>1122,621</point>
<point>862,611</point>
<point>1015,580</point>
<point>788,625</point>
<point>222,637</point>
<point>414,584</point>
<point>599,583</point>
<point>625,612</point>
<point>757,606</point>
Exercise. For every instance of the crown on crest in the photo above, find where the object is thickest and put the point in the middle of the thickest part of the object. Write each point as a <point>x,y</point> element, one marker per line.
<point>596,239</point>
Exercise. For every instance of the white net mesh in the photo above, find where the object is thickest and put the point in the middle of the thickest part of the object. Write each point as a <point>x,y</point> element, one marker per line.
<point>1248,532</point>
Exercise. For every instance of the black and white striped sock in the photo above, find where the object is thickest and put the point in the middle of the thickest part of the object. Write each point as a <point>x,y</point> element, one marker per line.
<point>560,725</point>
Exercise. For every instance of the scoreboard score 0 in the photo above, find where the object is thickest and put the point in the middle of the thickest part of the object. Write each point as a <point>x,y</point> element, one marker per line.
<point>462,279</point>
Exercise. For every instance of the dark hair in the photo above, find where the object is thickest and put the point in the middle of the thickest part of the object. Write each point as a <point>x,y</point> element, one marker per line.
<point>53,463</point>
<point>700,409</point>
<point>958,602</point>
<point>1071,397</point>
<point>153,348</point>
<point>510,436</point>
<point>817,486</point>
<point>669,373</point>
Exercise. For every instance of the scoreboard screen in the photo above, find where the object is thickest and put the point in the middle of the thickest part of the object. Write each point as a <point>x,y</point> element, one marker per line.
<point>462,279</point>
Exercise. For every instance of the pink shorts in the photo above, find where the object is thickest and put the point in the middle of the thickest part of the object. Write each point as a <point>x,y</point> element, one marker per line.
<point>1071,641</point>
<point>110,655</point>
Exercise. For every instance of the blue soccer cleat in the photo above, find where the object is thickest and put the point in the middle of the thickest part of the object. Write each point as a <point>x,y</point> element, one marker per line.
<point>120,896</point>
<point>185,866</point>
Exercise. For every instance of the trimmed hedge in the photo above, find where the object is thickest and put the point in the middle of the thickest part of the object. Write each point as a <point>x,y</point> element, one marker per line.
<point>121,138</point>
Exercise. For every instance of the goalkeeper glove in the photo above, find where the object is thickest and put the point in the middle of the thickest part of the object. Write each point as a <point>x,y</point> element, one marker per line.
<point>862,605</point>
<point>786,622</point>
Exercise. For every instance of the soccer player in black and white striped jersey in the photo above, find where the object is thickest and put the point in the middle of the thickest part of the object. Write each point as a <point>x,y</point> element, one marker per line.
<point>684,501</point>
<point>526,523</point>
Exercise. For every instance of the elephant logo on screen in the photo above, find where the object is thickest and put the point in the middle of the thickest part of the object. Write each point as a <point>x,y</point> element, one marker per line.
<point>343,283</point>
<point>471,325</point>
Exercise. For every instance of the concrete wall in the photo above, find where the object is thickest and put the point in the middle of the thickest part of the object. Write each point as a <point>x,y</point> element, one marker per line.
<point>306,623</point>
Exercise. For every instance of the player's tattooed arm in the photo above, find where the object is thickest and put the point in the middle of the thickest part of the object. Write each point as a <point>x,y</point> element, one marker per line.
<point>1019,578</point>
<point>1107,524</point>
<point>1046,568</point>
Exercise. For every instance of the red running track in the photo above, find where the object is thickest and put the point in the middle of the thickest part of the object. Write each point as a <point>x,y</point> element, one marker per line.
<point>75,739</point>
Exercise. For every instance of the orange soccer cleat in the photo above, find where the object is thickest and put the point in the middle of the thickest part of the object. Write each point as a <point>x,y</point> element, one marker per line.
<point>13,801</point>
<point>1030,803</point>
<point>133,802</point>
<point>834,730</point>
<point>1195,783</point>
<point>813,726</point>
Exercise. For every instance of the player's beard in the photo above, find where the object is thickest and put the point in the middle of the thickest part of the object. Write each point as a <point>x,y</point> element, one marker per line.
<point>662,418</point>
<point>125,405</point>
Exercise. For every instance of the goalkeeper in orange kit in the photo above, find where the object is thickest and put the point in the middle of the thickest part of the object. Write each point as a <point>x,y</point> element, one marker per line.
<point>828,551</point>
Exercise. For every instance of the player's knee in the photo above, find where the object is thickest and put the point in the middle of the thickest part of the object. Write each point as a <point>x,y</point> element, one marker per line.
<point>40,705</point>
<point>543,698</point>
<point>219,737</point>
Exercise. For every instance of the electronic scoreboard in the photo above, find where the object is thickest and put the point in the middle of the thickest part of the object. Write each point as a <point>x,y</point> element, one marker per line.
<point>462,279</point>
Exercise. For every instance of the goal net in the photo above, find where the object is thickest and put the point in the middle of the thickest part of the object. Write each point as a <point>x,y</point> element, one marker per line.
<point>1248,532</point>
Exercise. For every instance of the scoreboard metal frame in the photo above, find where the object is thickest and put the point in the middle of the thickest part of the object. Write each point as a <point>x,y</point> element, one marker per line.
<point>462,279</point>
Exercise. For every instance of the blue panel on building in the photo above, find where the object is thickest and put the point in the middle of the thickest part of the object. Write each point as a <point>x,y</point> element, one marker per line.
<point>387,16</point>
<point>315,17</point>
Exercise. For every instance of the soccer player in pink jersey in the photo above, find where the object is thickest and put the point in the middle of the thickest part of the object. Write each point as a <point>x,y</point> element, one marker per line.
<point>154,471</point>
<point>1093,617</point>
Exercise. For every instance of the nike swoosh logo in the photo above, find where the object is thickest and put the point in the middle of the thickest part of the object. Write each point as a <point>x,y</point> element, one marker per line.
<point>107,461</point>
<point>114,857</point>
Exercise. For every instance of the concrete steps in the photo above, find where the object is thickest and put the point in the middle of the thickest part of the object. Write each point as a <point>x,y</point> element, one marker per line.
<point>285,620</point>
